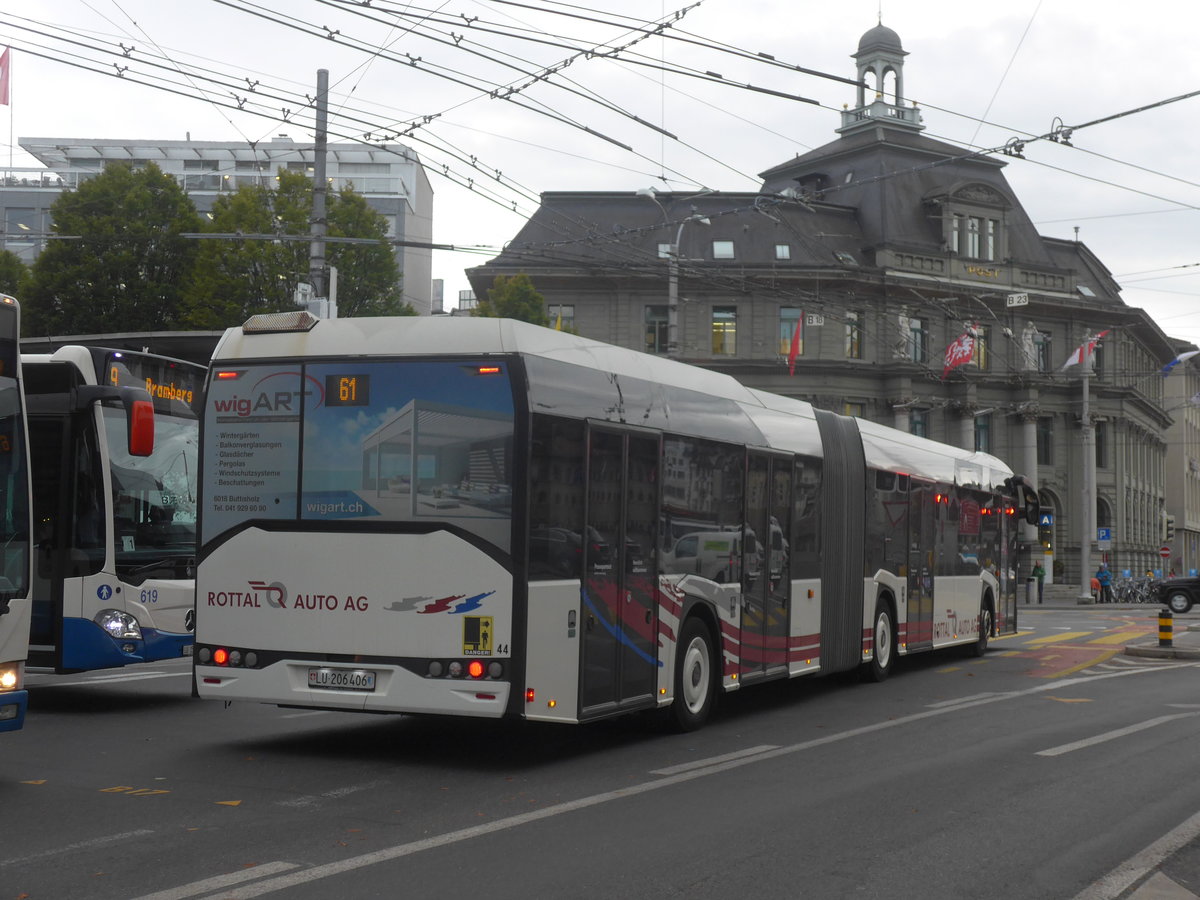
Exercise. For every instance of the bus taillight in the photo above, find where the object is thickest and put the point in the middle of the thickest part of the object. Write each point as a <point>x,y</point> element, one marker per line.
<point>227,375</point>
<point>475,668</point>
<point>221,656</point>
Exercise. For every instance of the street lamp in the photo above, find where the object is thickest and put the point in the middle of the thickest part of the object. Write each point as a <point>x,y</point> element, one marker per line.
<point>673,269</point>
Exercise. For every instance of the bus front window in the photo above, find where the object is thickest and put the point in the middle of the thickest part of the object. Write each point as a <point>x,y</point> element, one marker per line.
<point>154,497</point>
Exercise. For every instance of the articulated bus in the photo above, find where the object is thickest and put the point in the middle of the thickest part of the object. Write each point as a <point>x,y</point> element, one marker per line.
<point>114,437</point>
<point>480,517</point>
<point>15,603</point>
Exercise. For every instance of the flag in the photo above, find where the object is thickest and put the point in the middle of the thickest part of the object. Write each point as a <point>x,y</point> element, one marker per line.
<point>5,75</point>
<point>960,351</point>
<point>795,351</point>
<point>558,322</point>
<point>1182,357</point>
<point>1083,351</point>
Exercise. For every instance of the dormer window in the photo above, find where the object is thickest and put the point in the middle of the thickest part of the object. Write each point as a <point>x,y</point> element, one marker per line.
<point>972,219</point>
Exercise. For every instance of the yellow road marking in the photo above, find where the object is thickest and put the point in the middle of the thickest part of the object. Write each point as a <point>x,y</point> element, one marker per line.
<point>949,669</point>
<point>1121,637</point>
<point>1103,657</point>
<point>228,802</point>
<point>1005,637</point>
<point>1070,699</point>
<point>1057,638</point>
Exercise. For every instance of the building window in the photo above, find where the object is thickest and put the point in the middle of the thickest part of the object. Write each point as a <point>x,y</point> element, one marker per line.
<point>956,231</point>
<point>1098,360</point>
<point>1041,350</point>
<point>918,341</point>
<point>918,422</point>
<point>854,335</point>
<point>858,410</point>
<point>983,433</point>
<point>791,327</point>
<point>1045,441</point>
<point>562,316</point>
<point>20,226</point>
<point>724,330</point>
<point>656,329</point>
<point>980,355</point>
<point>989,239</point>
<point>783,251</point>
<point>1101,432</point>
<point>973,223</point>
<point>664,251</point>
<point>722,250</point>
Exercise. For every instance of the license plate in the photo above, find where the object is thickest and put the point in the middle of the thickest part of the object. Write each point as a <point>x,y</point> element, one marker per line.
<point>342,679</point>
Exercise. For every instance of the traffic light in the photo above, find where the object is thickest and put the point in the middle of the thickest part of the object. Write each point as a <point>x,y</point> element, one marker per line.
<point>1169,529</point>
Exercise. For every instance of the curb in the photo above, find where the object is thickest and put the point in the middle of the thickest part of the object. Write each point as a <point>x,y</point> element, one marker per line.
<point>1153,651</point>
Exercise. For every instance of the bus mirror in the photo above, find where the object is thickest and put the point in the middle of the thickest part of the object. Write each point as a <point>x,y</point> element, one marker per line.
<point>141,427</point>
<point>139,412</point>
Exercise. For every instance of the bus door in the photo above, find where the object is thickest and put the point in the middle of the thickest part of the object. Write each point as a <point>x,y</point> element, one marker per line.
<point>619,593</point>
<point>922,549</point>
<point>766,583</point>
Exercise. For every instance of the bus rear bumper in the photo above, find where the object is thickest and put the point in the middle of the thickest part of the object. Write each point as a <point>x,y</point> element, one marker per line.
<point>396,690</point>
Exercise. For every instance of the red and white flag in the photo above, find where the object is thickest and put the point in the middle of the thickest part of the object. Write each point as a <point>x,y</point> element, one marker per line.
<point>959,352</point>
<point>795,351</point>
<point>1083,351</point>
<point>5,75</point>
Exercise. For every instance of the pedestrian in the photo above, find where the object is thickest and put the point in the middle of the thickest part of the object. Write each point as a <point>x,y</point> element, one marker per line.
<point>1105,578</point>
<point>1039,572</point>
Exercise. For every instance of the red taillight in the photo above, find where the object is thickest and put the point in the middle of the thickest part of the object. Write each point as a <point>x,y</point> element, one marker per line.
<point>226,375</point>
<point>221,656</point>
<point>475,668</point>
<point>488,370</point>
<point>529,695</point>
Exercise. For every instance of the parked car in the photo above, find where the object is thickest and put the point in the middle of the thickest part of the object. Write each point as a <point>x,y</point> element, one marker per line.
<point>1179,594</point>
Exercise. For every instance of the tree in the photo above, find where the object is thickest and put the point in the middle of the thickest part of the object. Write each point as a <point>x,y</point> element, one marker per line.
<point>14,274</point>
<point>513,298</point>
<point>236,278</point>
<point>119,262</point>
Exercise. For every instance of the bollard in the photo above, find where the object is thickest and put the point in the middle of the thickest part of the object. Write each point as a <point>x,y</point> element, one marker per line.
<point>1166,627</point>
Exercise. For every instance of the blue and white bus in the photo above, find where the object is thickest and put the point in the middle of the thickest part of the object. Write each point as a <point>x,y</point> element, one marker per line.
<point>480,517</point>
<point>15,603</point>
<point>114,440</point>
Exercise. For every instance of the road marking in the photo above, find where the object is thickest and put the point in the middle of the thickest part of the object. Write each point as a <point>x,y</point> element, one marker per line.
<point>220,881</point>
<point>1121,637</point>
<point>1113,735</point>
<point>1142,863</point>
<point>1057,638</point>
<point>335,794</point>
<point>108,679</point>
<point>399,851</point>
<point>957,700</point>
<point>1103,657</point>
<point>71,848</point>
<point>712,760</point>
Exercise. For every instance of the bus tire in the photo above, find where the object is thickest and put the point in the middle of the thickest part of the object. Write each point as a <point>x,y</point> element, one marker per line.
<point>883,632</point>
<point>980,645</point>
<point>695,677</point>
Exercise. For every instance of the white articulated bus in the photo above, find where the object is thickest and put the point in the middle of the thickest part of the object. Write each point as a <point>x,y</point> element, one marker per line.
<point>480,517</point>
<point>15,521</point>
<point>114,437</point>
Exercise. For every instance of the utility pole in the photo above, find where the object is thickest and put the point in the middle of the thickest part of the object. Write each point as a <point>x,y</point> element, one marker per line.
<point>316,255</point>
<point>1087,497</point>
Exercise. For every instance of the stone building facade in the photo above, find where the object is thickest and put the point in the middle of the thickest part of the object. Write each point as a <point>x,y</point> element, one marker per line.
<point>868,257</point>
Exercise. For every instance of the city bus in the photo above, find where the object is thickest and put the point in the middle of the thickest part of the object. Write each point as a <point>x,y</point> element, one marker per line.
<point>114,438</point>
<point>481,517</point>
<point>15,603</point>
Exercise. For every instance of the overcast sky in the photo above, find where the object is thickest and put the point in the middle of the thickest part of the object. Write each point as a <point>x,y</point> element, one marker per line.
<point>983,74</point>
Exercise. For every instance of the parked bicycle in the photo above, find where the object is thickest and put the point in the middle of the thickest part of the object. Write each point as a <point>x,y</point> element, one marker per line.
<point>1136,590</point>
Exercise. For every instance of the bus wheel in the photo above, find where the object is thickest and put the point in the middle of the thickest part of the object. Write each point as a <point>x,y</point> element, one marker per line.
<point>884,633</point>
<point>695,689</point>
<point>985,631</point>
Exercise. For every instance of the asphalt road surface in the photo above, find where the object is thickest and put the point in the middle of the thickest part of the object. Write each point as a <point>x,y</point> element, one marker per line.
<point>1054,767</point>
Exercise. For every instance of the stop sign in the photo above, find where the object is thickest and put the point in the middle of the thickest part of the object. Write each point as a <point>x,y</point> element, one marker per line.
<point>1164,552</point>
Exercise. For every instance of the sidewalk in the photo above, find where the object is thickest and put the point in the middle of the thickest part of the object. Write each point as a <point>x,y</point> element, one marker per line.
<point>1185,638</point>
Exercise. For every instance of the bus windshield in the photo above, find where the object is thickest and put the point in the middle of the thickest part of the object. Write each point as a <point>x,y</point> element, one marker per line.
<point>393,441</point>
<point>14,489</point>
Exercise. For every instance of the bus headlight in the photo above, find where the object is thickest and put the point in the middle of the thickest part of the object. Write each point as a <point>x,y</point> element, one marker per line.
<point>119,625</point>
<point>10,678</point>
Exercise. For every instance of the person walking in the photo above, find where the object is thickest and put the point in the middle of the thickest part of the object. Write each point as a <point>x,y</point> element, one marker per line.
<point>1039,572</point>
<point>1105,578</point>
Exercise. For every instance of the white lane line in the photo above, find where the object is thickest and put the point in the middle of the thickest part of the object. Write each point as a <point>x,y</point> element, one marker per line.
<point>701,763</point>
<point>196,888</point>
<point>957,700</point>
<point>335,794</point>
<point>71,848</point>
<point>316,712</point>
<point>327,870</point>
<point>108,679</point>
<point>1142,863</point>
<point>1113,735</point>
